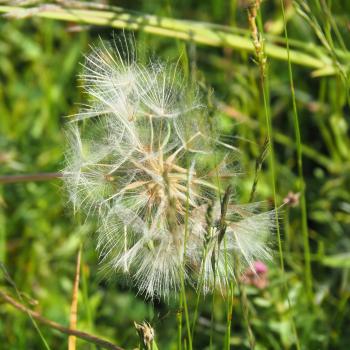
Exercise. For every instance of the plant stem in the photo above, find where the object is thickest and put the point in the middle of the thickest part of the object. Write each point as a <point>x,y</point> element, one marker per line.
<point>199,289</point>
<point>245,309</point>
<point>72,340</point>
<point>9,179</point>
<point>187,318</point>
<point>302,187</point>
<point>182,278</point>
<point>13,284</point>
<point>83,335</point>
<point>212,318</point>
<point>198,32</point>
<point>179,324</point>
<point>262,61</point>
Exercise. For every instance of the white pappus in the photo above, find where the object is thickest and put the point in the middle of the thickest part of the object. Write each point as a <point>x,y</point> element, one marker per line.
<point>133,160</point>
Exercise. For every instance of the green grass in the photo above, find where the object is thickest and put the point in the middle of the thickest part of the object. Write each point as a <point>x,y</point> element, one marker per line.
<point>302,106</point>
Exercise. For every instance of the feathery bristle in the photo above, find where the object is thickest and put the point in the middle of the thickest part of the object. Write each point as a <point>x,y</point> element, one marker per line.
<point>133,163</point>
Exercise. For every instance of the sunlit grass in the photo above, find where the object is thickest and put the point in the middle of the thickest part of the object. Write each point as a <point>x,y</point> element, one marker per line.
<point>307,124</point>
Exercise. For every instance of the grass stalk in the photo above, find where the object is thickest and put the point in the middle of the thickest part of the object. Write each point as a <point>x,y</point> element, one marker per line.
<point>212,318</point>
<point>72,340</point>
<point>187,318</point>
<point>199,289</point>
<point>273,182</point>
<point>245,309</point>
<point>85,294</point>
<point>307,256</point>
<point>229,295</point>
<point>229,316</point>
<point>262,62</point>
<point>229,308</point>
<point>198,32</point>
<point>183,290</point>
<point>179,323</point>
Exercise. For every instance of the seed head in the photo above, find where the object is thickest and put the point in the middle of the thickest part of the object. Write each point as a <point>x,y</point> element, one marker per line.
<point>135,163</point>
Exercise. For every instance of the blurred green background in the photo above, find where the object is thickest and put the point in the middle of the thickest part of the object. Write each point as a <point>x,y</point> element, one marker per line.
<point>39,236</point>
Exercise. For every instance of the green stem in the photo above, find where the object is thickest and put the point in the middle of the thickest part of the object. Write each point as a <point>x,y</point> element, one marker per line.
<point>212,318</point>
<point>199,289</point>
<point>308,272</point>
<point>265,90</point>
<point>179,324</point>
<point>244,306</point>
<point>187,318</point>
<point>229,315</point>
<point>85,292</point>
<point>229,323</point>
<point>266,98</point>
<point>182,278</point>
<point>198,32</point>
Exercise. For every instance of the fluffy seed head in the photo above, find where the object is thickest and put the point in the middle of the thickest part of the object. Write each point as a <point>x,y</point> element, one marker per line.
<point>134,162</point>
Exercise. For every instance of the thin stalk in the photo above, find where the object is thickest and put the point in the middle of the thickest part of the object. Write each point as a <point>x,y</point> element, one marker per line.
<point>245,309</point>
<point>10,179</point>
<point>85,293</point>
<point>229,315</point>
<point>273,181</point>
<point>228,299</point>
<point>222,235</point>
<point>325,38</point>
<point>187,318</point>
<point>262,62</point>
<point>242,294</point>
<point>214,259</point>
<point>3,227</point>
<point>258,164</point>
<point>229,304</point>
<point>200,286</point>
<point>72,340</point>
<point>333,24</point>
<point>27,311</point>
<point>217,177</point>
<point>183,291</point>
<point>179,323</point>
<point>54,325</point>
<point>302,187</point>
<point>212,318</point>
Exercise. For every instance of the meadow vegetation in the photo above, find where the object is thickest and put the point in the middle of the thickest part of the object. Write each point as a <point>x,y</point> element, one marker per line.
<point>267,86</point>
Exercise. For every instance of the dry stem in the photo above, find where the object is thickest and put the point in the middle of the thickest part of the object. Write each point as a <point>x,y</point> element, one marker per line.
<point>83,335</point>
